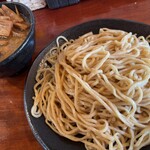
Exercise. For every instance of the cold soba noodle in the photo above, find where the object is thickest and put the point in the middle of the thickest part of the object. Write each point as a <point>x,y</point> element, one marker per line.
<point>96,89</point>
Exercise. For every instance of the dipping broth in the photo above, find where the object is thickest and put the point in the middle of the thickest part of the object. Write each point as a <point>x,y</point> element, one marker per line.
<point>14,29</point>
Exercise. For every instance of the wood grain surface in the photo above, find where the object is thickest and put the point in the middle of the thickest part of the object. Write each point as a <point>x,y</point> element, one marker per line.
<point>15,133</point>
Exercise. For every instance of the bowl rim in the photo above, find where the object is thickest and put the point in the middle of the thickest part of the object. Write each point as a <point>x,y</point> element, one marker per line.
<point>32,27</point>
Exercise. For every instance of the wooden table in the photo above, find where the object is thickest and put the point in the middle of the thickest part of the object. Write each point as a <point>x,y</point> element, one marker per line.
<point>15,133</point>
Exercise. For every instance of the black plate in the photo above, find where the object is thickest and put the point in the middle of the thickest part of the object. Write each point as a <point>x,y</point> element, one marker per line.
<point>45,136</point>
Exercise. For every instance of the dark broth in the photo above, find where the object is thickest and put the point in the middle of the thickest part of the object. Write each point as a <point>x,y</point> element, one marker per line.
<point>14,41</point>
<point>13,44</point>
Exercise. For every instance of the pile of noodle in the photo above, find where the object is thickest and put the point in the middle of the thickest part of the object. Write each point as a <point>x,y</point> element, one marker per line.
<point>96,90</point>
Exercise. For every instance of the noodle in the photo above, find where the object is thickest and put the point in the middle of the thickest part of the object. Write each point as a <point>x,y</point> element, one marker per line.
<point>96,90</point>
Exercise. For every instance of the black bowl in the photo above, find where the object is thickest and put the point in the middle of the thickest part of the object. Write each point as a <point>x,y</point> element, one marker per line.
<point>21,57</point>
<point>45,136</point>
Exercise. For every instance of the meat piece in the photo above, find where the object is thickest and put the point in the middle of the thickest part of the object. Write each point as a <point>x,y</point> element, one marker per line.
<point>16,9</point>
<point>14,17</point>
<point>2,13</point>
<point>16,34</point>
<point>21,26</point>
<point>3,42</point>
<point>5,28</point>
<point>4,18</point>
